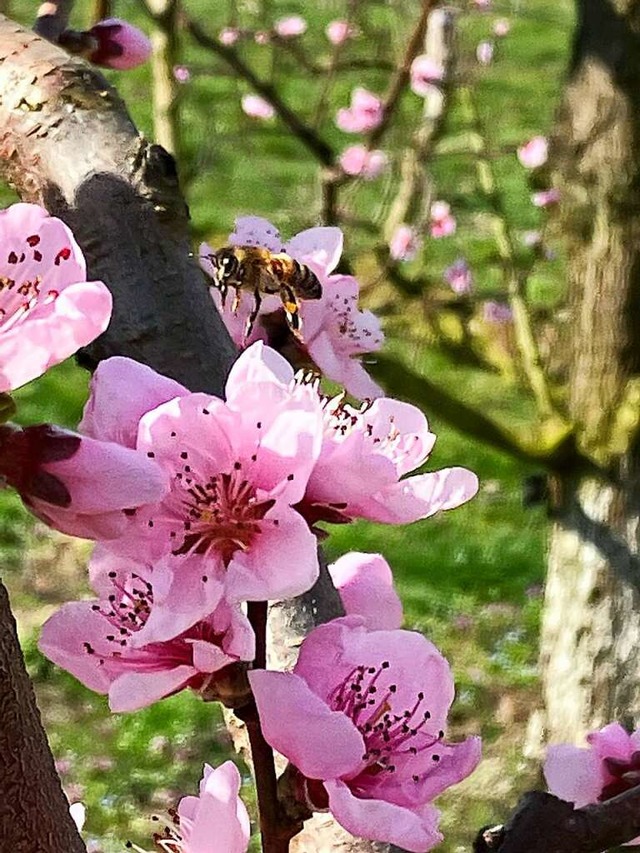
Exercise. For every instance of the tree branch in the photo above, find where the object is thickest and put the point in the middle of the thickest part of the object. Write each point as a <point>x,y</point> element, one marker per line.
<point>542,823</point>
<point>320,149</point>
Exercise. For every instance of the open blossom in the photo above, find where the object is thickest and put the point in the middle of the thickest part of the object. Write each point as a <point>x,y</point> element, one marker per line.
<point>459,277</point>
<point>334,331</point>
<point>546,198</point>
<point>339,31</point>
<point>365,584</point>
<point>257,107</point>
<point>229,35</point>
<point>114,645</point>
<point>443,223</point>
<point>120,45</point>
<point>387,439</point>
<point>358,160</point>
<point>48,310</point>
<point>290,27</point>
<point>405,243</point>
<point>361,718</point>
<point>425,71</point>
<point>235,469</point>
<point>484,52</point>
<point>534,153</point>
<point>364,114</point>
<point>181,74</point>
<point>496,312</point>
<point>501,27</point>
<point>76,484</point>
<point>609,766</point>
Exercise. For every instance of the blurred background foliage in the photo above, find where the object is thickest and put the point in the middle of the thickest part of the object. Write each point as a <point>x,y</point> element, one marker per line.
<point>470,579</point>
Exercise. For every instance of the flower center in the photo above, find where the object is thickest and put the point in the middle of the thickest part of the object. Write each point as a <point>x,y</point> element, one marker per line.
<point>626,775</point>
<point>386,733</point>
<point>223,514</point>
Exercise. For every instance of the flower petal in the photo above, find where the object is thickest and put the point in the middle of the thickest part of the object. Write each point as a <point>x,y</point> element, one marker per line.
<point>365,584</point>
<point>256,231</point>
<point>135,690</point>
<point>321,246</point>
<point>422,496</point>
<point>573,774</point>
<point>321,743</point>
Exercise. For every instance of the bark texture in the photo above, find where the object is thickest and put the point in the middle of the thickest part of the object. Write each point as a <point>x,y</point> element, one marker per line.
<point>591,625</point>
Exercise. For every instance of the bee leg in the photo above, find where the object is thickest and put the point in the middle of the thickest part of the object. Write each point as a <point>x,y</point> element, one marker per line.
<point>290,304</point>
<point>251,319</point>
<point>236,300</point>
<point>224,290</point>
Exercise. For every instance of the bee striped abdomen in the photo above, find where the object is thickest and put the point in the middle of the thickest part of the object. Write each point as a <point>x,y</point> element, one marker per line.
<point>307,282</point>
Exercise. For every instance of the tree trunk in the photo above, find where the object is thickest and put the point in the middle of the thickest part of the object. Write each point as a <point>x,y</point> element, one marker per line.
<point>591,624</point>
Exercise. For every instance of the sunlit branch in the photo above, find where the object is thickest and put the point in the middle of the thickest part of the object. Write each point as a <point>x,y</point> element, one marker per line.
<point>516,277</point>
<point>165,87</point>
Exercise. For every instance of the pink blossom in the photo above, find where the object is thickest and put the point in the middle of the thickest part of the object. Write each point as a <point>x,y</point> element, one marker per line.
<point>262,37</point>
<point>443,223</point>
<point>365,584</point>
<point>361,720</point>
<point>120,45</point>
<point>497,312</point>
<point>76,484</point>
<point>532,238</point>
<point>339,31</point>
<point>501,27</point>
<point>217,819</point>
<point>181,74</point>
<point>114,644</point>
<point>358,160</point>
<point>290,27</point>
<point>609,766</point>
<point>229,35</point>
<point>387,439</point>
<point>235,470</point>
<point>424,72</point>
<point>534,153</point>
<point>365,113</point>
<point>257,107</point>
<point>546,198</point>
<point>459,277</point>
<point>334,331</point>
<point>48,310</point>
<point>483,4</point>
<point>405,243</point>
<point>484,52</point>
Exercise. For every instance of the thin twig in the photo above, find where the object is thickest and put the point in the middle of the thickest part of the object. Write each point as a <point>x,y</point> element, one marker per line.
<point>320,149</point>
<point>516,276</point>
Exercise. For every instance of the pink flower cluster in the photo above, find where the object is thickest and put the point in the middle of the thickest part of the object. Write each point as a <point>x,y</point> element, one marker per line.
<point>119,45</point>
<point>443,223</point>
<point>359,160</point>
<point>334,333</point>
<point>425,71</point>
<point>365,113</point>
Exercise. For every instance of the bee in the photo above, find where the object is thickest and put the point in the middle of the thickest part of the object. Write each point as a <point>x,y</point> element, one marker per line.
<point>252,268</point>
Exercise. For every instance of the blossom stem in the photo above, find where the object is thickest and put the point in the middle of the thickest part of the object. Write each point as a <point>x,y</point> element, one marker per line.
<point>276,829</point>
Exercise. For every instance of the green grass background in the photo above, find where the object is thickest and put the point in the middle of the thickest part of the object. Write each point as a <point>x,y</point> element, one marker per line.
<point>470,579</point>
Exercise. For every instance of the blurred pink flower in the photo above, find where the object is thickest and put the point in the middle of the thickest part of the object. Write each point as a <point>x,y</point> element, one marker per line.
<point>534,153</point>
<point>229,35</point>
<point>496,312</point>
<point>484,52</point>
<point>358,160</point>
<point>290,27</point>
<point>334,331</point>
<point>532,238</point>
<point>120,45</point>
<point>365,584</point>
<point>546,198</point>
<point>388,439</point>
<point>442,224</point>
<point>501,27</point>
<point>361,720</point>
<point>424,72</point>
<point>482,4</point>
<point>405,243</point>
<point>77,485</point>
<point>257,107</point>
<point>364,114</point>
<point>181,73</point>
<point>262,37</point>
<point>235,470</point>
<point>216,821</point>
<point>48,310</point>
<point>339,31</point>
<point>110,645</point>
<point>609,766</point>
<point>458,276</point>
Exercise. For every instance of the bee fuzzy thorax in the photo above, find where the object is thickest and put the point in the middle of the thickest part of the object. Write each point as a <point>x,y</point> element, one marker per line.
<point>261,272</point>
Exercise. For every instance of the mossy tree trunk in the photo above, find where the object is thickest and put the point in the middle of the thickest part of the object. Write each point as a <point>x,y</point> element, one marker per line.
<point>590,649</point>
